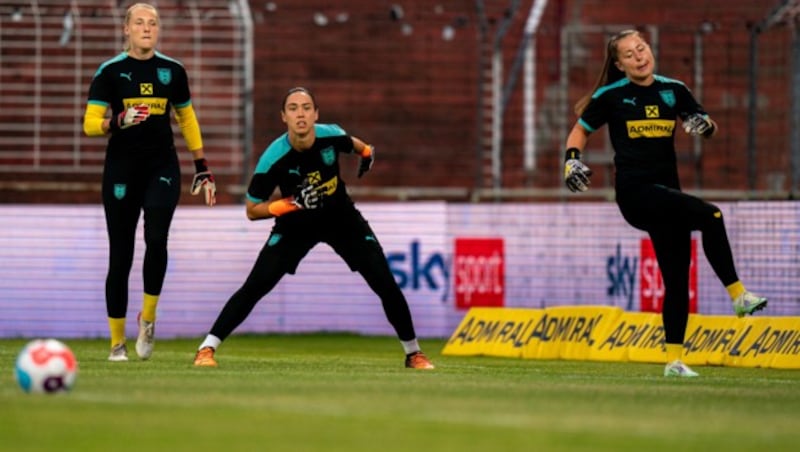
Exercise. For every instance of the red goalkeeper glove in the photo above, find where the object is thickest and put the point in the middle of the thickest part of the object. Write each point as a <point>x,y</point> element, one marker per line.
<point>132,116</point>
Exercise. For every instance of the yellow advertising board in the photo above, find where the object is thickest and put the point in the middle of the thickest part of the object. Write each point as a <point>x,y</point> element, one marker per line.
<point>603,333</point>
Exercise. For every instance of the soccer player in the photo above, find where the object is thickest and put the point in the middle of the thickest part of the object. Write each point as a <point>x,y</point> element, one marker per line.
<point>313,207</point>
<point>141,86</point>
<point>641,108</point>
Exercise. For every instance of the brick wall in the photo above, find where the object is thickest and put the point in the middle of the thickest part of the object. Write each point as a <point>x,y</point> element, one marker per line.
<point>405,85</point>
<point>416,95</point>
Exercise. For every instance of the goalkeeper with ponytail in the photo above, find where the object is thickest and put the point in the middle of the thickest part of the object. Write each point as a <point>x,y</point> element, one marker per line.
<point>641,110</point>
<point>312,207</point>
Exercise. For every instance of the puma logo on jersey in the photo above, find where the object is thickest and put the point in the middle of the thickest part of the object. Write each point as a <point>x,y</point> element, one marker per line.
<point>631,101</point>
<point>295,171</point>
<point>166,180</point>
<point>127,76</point>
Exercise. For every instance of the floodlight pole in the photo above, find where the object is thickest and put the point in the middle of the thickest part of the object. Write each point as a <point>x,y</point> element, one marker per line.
<point>752,105</point>
<point>795,96</point>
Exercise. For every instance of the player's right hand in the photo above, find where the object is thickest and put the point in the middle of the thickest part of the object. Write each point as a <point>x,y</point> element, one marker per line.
<point>308,196</point>
<point>133,116</point>
<point>576,175</point>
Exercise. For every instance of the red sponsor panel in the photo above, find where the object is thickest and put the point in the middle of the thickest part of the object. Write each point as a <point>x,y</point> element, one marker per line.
<point>651,285</point>
<point>479,267</point>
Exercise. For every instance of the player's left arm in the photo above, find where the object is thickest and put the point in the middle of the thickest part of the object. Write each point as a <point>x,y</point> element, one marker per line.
<point>366,152</point>
<point>190,128</point>
<point>695,119</point>
<point>203,179</point>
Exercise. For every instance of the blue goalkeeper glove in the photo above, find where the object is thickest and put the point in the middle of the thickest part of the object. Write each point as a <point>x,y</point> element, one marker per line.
<point>576,174</point>
<point>204,180</point>
<point>308,196</point>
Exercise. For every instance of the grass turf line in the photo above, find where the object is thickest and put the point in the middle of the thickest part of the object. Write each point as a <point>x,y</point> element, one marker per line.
<point>336,392</point>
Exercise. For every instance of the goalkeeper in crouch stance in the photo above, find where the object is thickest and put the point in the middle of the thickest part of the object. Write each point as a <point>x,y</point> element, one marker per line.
<point>313,207</point>
<point>141,86</point>
<point>640,109</point>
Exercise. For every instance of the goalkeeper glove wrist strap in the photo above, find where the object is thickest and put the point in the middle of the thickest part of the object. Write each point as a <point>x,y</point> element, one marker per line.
<point>710,131</point>
<point>283,206</point>
<point>200,166</point>
<point>572,153</point>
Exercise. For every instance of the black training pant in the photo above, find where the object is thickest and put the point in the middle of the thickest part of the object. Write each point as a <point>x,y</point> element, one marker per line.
<point>350,236</point>
<point>669,216</point>
<point>130,187</point>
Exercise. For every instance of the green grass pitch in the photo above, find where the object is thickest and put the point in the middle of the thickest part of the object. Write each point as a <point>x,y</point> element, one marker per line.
<point>336,392</point>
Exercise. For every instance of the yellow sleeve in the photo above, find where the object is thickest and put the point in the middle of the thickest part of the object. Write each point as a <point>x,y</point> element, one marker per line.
<point>190,128</point>
<point>93,120</point>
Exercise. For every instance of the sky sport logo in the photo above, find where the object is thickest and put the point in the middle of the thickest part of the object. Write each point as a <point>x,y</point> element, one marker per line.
<point>479,272</point>
<point>651,283</point>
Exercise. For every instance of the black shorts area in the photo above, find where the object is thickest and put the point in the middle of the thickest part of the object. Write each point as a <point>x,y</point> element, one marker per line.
<point>343,229</point>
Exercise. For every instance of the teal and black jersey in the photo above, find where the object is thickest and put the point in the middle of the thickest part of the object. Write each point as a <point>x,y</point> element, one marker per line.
<point>641,125</point>
<point>160,82</point>
<point>336,223</point>
<point>286,168</point>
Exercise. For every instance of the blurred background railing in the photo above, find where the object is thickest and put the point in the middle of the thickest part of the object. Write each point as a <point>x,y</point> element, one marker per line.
<point>466,100</point>
<point>50,52</point>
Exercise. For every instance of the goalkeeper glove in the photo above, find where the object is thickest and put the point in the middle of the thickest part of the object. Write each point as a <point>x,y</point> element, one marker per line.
<point>576,174</point>
<point>366,161</point>
<point>131,117</point>
<point>697,124</point>
<point>204,180</point>
<point>307,196</point>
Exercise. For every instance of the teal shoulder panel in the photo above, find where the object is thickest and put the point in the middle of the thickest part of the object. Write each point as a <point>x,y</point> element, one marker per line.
<point>274,152</point>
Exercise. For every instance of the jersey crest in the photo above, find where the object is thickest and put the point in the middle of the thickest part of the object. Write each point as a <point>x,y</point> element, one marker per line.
<point>328,155</point>
<point>164,75</point>
<point>668,96</point>
<point>119,190</point>
<point>274,239</point>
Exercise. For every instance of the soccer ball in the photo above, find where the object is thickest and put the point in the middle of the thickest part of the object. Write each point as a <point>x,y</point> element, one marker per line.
<point>46,365</point>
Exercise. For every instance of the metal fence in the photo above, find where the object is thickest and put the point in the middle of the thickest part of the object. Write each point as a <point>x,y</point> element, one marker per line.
<point>743,68</point>
<point>49,51</point>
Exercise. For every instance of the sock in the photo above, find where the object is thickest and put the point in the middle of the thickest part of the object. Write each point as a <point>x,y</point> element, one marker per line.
<point>117,329</point>
<point>674,351</point>
<point>149,307</point>
<point>735,289</point>
<point>210,341</point>
<point>410,346</point>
